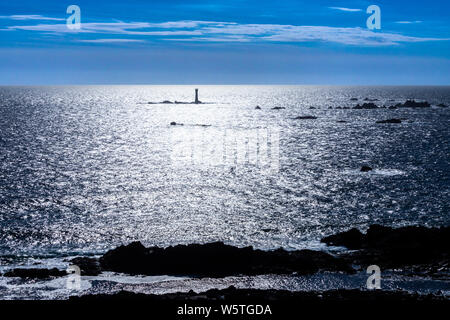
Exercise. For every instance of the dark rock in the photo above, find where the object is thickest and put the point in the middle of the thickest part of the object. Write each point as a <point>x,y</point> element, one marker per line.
<point>413,104</point>
<point>88,266</point>
<point>278,108</point>
<point>367,99</point>
<point>351,239</point>
<point>442,105</point>
<point>366,169</point>
<point>390,121</point>
<point>312,108</point>
<point>173,123</point>
<point>202,125</point>
<point>258,108</point>
<point>354,99</point>
<point>35,273</point>
<point>216,260</point>
<point>304,118</point>
<point>125,258</point>
<point>166,102</point>
<point>369,105</point>
<point>341,121</point>
<point>391,248</point>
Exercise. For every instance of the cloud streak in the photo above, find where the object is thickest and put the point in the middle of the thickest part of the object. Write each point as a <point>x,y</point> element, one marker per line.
<point>111,40</point>
<point>345,9</point>
<point>213,31</point>
<point>408,22</point>
<point>30,17</point>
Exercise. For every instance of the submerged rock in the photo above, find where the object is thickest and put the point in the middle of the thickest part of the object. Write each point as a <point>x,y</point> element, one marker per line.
<point>216,260</point>
<point>304,118</point>
<point>366,169</point>
<point>390,121</point>
<point>35,273</point>
<point>354,99</point>
<point>368,99</point>
<point>369,105</point>
<point>442,105</point>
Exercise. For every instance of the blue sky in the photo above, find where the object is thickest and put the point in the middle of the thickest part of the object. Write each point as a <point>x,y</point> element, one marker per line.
<point>225,42</point>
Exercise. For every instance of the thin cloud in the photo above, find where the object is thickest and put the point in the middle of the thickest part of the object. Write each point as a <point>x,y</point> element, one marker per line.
<point>111,40</point>
<point>128,28</point>
<point>30,17</point>
<point>212,31</point>
<point>345,9</point>
<point>408,22</point>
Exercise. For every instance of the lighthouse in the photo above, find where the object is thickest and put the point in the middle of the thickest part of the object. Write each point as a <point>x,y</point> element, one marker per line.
<point>196,97</point>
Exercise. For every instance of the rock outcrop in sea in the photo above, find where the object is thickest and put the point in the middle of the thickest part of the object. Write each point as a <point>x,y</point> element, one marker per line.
<point>305,118</point>
<point>216,260</point>
<point>369,105</point>
<point>37,273</point>
<point>390,121</point>
<point>366,169</point>
<point>424,248</point>
<point>413,104</point>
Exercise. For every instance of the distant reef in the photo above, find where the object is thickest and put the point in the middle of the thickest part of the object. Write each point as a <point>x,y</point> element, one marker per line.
<point>369,105</point>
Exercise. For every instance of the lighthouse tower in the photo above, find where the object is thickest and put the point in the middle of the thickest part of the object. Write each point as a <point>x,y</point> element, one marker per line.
<point>196,97</point>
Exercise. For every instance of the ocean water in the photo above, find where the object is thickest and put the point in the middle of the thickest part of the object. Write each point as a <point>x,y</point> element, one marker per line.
<point>87,168</point>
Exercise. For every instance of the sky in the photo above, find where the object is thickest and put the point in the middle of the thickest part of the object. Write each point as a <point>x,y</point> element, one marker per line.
<point>224,42</point>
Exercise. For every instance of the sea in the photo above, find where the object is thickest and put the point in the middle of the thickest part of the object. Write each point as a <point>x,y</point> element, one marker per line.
<point>84,169</point>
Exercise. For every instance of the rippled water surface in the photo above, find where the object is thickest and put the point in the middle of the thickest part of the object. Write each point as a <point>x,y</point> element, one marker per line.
<point>84,169</point>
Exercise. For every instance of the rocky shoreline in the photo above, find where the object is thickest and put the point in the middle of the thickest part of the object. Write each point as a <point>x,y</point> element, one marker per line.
<point>412,250</point>
<point>390,248</point>
<point>233,295</point>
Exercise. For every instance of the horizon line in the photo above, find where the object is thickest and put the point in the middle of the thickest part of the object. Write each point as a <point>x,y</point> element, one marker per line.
<point>223,84</point>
